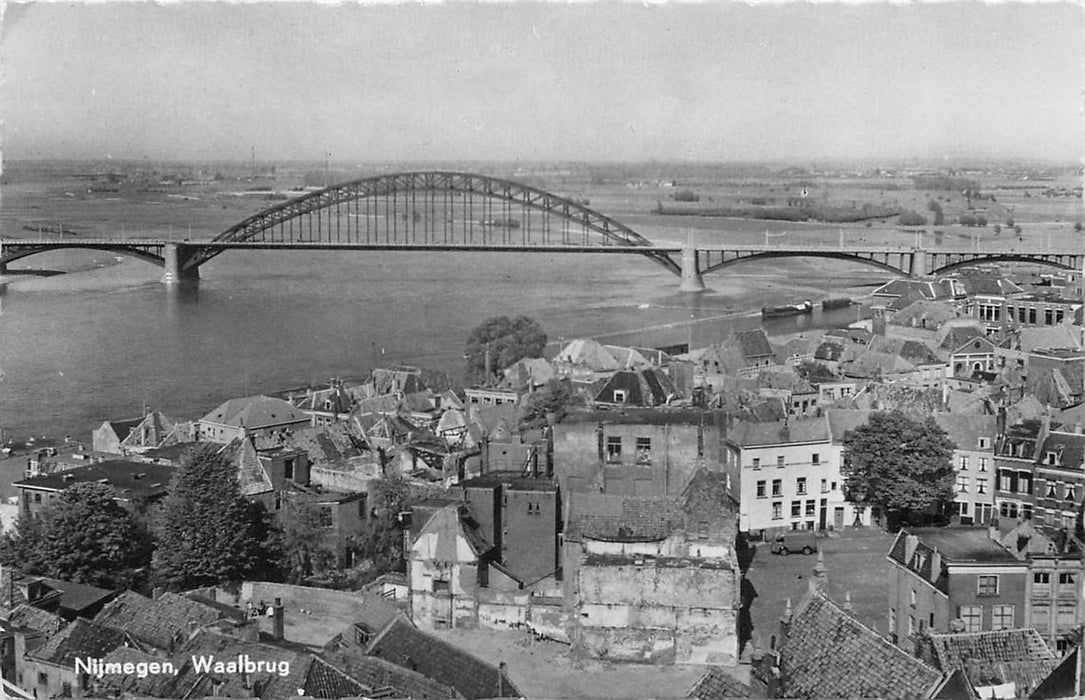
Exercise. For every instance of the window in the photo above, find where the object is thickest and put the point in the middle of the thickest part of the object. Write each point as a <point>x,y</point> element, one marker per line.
<point>43,678</point>
<point>962,483</point>
<point>815,458</point>
<point>987,584</point>
<point>811,508</point>
<point>972,616</point>
<point>796,509</point>
<point>1051,458</point>
<point>912,598</point>
<point>892,620</point>
<point>825,486</point>
<point>1066,579</point>
<point>833,487</point>
<point>982,464</point>
<point>644,450</point>
<point>288,469</point>
<point>911,625</point>
<point>1004,481</point>
<point>800,485</point>
<point>777,510</point>
<point>1051,490</point>
<point>37,498</point>
<point>984,443</point>
<point>756,462</point>
<point>981,485</point>
<point>780,461</point>
<point>619,396</point>
<point>777,487</point>
<point>614,448</point>
<point>964,462</point>
<point>761,489</point>
<point>1041,583</point>
<point>325,517</point>
<point>1002,618</point>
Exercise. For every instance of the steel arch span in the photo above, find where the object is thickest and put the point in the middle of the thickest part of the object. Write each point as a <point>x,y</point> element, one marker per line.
<point>440,209</point>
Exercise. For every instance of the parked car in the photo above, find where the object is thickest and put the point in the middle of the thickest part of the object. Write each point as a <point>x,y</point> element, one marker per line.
<point>804,541</point>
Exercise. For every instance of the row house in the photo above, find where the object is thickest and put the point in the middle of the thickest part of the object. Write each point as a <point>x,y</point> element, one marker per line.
<point>953,579</point>
<point>1016,452</point>
<point>973,436</point>
<point>1058,478</point>
<point>253,416</point>
<point>789,477</point>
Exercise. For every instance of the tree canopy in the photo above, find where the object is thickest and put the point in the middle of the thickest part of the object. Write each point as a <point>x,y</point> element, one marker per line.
<point>208,533</point>
<point>901,466</point>
<point>509,340</point>
<point>85,536</point>
<point>380,545</point>
<point>555,397</point>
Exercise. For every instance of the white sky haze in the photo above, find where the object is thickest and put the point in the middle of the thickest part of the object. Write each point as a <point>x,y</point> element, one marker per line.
<point>595,81</point>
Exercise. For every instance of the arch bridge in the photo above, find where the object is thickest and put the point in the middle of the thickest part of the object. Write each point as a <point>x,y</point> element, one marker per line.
<point>451,211</point>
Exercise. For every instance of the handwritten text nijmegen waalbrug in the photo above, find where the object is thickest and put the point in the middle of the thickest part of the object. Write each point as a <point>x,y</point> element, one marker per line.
<point>241,664</point>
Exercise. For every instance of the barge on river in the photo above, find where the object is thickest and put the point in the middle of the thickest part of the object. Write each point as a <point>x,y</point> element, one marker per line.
<point>787,310</point>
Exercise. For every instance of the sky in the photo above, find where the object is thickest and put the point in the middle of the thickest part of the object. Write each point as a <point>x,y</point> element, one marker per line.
<point>709,81</point>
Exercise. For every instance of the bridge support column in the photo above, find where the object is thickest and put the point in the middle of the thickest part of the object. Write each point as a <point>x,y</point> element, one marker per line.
<point>691,274</point>
<point>176,256</point>
<point>919,264</point>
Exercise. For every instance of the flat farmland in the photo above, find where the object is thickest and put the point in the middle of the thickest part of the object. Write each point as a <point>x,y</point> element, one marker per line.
<point>855,562</point>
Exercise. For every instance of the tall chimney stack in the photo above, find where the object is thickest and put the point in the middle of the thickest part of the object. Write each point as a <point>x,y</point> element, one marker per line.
<point>278,623</point>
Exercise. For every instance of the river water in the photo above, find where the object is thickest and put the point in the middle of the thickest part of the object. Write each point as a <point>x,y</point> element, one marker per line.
<point>80,348</point>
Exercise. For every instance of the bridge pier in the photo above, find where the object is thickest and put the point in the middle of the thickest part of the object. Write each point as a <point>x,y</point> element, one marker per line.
<point>919,264</point>
<point>691,273</point>
<point>176,256</point>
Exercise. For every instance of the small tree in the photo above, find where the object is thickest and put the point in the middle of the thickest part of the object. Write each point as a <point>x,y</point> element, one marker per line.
<point>86,537</point>
<point>901,466</point>
<point>554,398</point>
<point>911,218</point>
<point>208,533</point>
<point>302,534</point>
<point>505,341</point>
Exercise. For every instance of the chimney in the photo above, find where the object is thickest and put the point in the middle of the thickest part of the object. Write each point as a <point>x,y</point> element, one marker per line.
<point>819,579</point>
<point>1001,421</point>
<point>278,624</point>
<point>936,564</point>
<point>500,679</point>
<point>156,592</point>
<point>785,625</point>
<point>848,607</point>
<point>910,543</point>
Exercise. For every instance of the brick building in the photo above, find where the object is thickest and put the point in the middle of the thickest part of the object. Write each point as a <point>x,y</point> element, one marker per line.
<point>136,485</point>
<point>953,579</point>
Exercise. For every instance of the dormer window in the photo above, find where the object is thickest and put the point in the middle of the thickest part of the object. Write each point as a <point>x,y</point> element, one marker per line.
<point>984,443</point>
<point>1051,458</point>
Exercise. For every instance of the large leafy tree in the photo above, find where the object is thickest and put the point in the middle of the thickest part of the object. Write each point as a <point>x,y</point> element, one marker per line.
<point>208,533</point>
<point>85,536</point>
<point>380,545</point>
<point>900,466</point>
<point>507,340</point>
<point>303,534</point>
<point>556,397</point>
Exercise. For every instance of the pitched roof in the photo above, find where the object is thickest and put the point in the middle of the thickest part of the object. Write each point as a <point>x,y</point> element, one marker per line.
<point>588,353</point>
<point>251,474</point>
<point>29,617</point>
<point>830,654</point>
<point>159,623</point>
<point>255,412</point>
<point>1068,447</point>
<point>924,314</point>
<point>405,645</point>
<point>717,684</point>
<point>1065,680</point>
<point>1050,338</point>
<point>841,420</point>
<point>754,343</point>
<point>794,430</point>
<point>965,430</point>
<point>79,639</point>
<point>616,518</point>
<point>1017,656</point>
<point>379,674</point>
